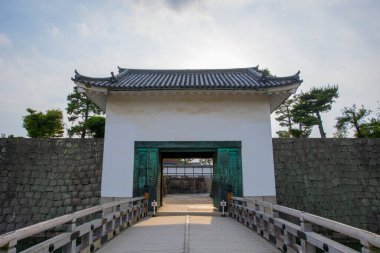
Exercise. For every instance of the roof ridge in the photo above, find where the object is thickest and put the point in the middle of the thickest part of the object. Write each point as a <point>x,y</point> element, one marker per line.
<point>228,70</point>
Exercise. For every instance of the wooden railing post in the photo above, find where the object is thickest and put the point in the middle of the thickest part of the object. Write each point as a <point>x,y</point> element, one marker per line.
<point>131,215</point>
<point>231,211</point>
<point>138,210</point>
<point>71,246</point>
<point>276,230</point>
<point>103,235</point>
<point>257,220</point>
<point>229,204</point>
<point>9,248</point>
<point>120,218</point>
<point>305,245</point>
<point>146,204</point>
<point>90,236</point>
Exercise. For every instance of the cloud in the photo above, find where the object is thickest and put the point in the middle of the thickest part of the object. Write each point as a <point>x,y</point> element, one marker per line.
<point>4,40</point>
<point>330,42</point>
<point>83,29</point>
<point>54,31</point>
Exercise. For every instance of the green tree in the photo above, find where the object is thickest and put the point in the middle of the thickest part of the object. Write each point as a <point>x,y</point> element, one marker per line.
<point>80,109</point>
<point>265,72</point>
<point>371,129</point>
<point>206,161</point>
<point>96,126</point>
<point>186,160</point>
<point>40,125</point>
<point>357,119</point>
<point>311,104</point>
<point>286,118</point>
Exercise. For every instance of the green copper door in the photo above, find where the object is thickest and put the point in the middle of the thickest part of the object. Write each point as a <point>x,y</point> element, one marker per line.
<point>146,172</point>
<point>227,173</point>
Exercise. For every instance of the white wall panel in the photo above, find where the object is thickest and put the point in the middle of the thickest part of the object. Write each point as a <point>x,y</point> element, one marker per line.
<point>187,117</point>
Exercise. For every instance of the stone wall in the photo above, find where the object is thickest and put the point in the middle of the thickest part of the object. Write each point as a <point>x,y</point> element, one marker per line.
<point>334,178</point>
<point>44,178</point>
<point>186,185</point>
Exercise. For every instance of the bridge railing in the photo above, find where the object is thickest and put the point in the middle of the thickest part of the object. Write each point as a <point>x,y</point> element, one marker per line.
<point>110,219</point>
<point>265,219</point>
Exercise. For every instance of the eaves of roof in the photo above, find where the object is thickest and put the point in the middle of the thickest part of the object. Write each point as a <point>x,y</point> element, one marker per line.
<point>187,79</point>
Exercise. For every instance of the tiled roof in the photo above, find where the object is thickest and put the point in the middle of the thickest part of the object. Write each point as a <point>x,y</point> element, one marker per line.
<point>215,79</point>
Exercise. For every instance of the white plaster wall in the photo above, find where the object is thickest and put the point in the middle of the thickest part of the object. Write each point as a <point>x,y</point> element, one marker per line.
<point>203,117</point>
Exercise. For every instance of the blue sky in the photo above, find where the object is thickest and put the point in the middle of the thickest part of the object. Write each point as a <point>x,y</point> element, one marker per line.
<point>43,42</point>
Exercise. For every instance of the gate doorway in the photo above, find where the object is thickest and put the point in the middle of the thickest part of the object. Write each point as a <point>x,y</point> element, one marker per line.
<point>187,174</point>
<point>149,167</point>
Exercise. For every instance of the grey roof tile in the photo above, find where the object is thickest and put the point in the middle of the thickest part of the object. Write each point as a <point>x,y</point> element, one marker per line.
<point>227,79</point>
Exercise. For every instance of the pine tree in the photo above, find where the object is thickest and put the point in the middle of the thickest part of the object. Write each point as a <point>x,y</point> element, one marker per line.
<point>287,118</point>
<point>357,119</point>
<point>311,104</point>
<point>96,126</point>
<point>80,109</point>
<point>40,125</point>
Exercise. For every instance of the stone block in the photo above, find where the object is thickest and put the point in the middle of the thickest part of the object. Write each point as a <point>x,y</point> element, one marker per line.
<point>25,210</point>
<point>86,201</point>
<point>42,202</point>
<point>3,227</point>
<point>69,209</point>
<point>76,201</point>
<point>50,195</point>
<point>60,211</point>
<point>37,195</point>
<point>374,182</point>
<point>3,187</point>
<point>87,188</point>
<point>32,202</point>
<point>66,195</point>
<point>57,196</point>
<point>19,225</point>
<point>9,218</point>
<point>7,210</point>
<point>63,188</point>
<point>56,189</point>
<point>88,194</point>
<point>20,218</point>
<point>10,226</point>
<point>71,188</point>
<point>79,187</point>
<point>44,210</point>
<point>67,202</point>
<point>35,210</point>
<point>58,203</point>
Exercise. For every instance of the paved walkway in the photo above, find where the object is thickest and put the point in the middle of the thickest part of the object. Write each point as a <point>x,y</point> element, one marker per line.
<point>191,204</point>
<point>188,233</point>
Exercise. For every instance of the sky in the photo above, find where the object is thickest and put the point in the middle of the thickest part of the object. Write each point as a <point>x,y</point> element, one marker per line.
<point>334,42</point>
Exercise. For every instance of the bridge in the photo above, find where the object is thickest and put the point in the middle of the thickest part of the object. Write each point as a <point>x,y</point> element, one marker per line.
<point>188,224</point>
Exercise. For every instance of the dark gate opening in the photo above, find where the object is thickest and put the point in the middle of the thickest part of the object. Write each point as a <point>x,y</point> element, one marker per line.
<point>187,172</point>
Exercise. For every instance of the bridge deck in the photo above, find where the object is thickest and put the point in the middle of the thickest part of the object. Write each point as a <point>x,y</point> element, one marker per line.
<point>188,233</point>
